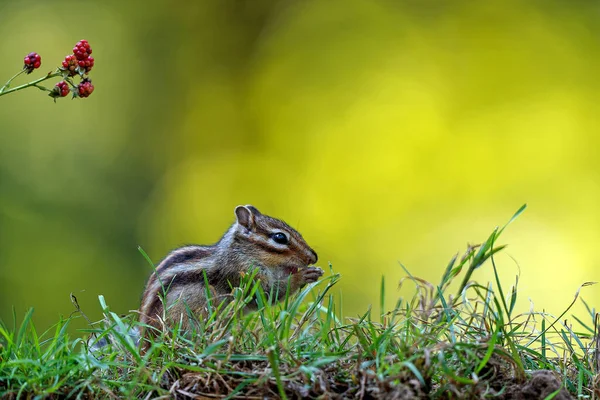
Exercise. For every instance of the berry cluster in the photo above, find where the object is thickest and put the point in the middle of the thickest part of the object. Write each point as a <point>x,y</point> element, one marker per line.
<point>62,89</point>
<point>78,64</point>
<point>69,65</point>
<point>32,61</point>
<point>85,88</point>
<point>82,50</point>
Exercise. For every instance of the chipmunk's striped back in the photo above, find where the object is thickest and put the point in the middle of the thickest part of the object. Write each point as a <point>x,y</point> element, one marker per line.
<point>179,262</point>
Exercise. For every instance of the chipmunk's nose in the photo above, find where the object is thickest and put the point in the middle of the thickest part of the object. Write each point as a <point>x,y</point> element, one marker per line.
<point>314,257</point>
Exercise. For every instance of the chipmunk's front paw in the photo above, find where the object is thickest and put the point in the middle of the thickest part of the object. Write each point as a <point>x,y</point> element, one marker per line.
<point>310,275</point>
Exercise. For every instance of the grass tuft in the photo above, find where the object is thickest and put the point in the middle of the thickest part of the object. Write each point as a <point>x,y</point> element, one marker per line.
<point>437,344</point>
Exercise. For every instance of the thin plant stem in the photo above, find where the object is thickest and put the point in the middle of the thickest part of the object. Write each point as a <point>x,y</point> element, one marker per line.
<point>32,83</point>
<point>7,84</point>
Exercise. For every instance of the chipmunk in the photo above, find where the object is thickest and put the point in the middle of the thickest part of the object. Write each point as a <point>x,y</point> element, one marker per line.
<point>255,240</point>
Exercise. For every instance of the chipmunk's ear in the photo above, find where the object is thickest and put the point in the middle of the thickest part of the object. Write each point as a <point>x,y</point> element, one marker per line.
<point>253,210</point>
<point>245,216</point>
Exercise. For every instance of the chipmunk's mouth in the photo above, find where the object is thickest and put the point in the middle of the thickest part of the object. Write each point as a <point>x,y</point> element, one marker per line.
<point>291,269</point>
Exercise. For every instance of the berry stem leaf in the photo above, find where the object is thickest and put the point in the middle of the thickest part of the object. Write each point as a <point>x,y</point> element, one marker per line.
<point>70,82</point>
<point>43,88</point>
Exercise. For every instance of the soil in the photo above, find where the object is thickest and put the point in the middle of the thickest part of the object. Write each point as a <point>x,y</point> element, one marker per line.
<point>329,384</point>
<point>541,384</point>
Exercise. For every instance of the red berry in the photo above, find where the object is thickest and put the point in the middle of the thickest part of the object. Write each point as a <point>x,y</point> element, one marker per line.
<point>82,50</point>
<point>63,88</point>
<point>87,64</point>
<point>69,65</point>
<point>32,61</point>
<point>85,88</point>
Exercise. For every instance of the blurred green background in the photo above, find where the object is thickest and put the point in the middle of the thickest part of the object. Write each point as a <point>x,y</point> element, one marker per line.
<point>385,131</point>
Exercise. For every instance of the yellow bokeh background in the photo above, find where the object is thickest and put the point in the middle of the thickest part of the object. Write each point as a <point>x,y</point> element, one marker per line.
<point>387,132</point>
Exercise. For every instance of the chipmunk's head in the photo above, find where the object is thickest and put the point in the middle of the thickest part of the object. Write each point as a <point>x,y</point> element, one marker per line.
<point>272,242</point>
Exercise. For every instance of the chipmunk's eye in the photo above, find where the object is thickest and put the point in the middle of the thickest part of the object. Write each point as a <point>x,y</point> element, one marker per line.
<point>279,237</point>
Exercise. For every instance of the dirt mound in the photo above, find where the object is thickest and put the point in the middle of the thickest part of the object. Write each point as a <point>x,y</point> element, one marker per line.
<point>542,384</point>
